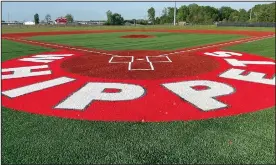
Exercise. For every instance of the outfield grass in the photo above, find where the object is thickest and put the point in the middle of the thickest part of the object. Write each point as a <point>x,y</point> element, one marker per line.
<point>35,139</point>
<point>161,41</point>
<point>20,29</point>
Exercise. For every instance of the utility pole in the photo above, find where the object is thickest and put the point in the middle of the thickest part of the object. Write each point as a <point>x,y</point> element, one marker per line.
<point>174,15</point>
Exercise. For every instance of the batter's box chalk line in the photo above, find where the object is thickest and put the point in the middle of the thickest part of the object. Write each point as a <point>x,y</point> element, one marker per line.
<point>139,63</point>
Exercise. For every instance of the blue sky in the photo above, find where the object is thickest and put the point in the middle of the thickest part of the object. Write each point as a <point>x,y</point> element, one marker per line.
<point>24,11</point>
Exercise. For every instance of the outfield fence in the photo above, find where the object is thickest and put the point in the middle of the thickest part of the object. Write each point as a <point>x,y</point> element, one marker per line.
<point>247,24</point>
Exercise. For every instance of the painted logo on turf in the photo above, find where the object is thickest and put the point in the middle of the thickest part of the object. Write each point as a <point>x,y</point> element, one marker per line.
<point>208,84</point>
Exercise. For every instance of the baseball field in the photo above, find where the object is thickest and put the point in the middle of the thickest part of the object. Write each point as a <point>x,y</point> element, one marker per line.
<point>151,95</point>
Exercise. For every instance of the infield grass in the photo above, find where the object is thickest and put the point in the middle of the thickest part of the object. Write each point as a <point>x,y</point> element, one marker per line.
<point>161,41</point>
<point>35,139</point>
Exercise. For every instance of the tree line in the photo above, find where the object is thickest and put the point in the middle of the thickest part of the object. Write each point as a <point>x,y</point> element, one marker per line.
<point>47,19</point>
<point>193,13</point>
<point>196,14</point>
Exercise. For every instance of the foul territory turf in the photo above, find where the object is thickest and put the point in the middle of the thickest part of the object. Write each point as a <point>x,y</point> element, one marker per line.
<point>15,49</point>
<point>265,47</point>
<point>156,41</point>
<point>30,139</point>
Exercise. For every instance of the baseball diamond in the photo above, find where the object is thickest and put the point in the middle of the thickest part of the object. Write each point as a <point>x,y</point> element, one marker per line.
<point>198,82</point>
<point>141,94</point>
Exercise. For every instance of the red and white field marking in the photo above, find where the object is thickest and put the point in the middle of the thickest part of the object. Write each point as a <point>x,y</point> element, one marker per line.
<point>139,63</point>
<point>116,87</point>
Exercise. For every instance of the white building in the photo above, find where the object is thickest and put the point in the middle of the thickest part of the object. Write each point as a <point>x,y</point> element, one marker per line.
<point>29,23</point>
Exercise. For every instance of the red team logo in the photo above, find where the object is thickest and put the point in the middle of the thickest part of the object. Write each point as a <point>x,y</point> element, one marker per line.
<point>139,85</point>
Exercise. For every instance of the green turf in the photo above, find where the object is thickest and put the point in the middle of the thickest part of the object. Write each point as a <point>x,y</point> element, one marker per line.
<point>35,139</point>
<point>264,47</point>
<point>161,41</point>
<point>14,49</point>
<point>19,29</point>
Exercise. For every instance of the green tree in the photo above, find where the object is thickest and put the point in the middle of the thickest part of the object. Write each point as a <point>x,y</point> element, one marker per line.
<point>164,16</point>
<point>116,19</point>
<point>170,14</point>
<point>211,14</point>
<point>69,18</point>
<point>243,15</point>
<point>182,13</point>
<point>225,12</point>
<point>36,19</point>
<point>263,13</point>
<point>234,16</point>
<point>48,18</point>
<point>151,14</point>
<point>109,17</point>
<point>194,13</point>
<point>157,20</point>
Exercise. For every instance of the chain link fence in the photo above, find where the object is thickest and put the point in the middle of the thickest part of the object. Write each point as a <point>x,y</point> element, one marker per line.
<point>247,24</point>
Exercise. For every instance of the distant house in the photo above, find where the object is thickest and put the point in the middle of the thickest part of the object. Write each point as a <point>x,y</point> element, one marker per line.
<point>29,23</point>
<point>61,20</point>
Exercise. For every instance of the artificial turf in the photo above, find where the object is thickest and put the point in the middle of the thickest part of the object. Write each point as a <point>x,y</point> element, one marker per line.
<point>36,139</point>
<point>264,47</point>
<point>161,41</point>
<point>12,49</point>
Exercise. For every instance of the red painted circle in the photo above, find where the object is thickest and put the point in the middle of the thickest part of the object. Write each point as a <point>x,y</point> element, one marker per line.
<point>137,36</point>
<point>157,103</point>
<point>145,64</point>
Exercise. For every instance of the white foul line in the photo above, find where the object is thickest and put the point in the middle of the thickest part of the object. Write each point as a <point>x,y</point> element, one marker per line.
<point>215,45</point>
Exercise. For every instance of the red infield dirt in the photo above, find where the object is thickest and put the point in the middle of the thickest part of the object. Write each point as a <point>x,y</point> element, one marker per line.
<point>90,84</point>
<point>93,65</point>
